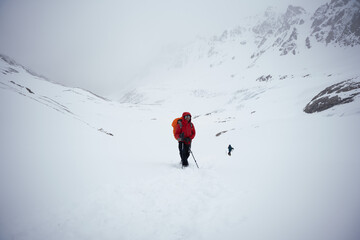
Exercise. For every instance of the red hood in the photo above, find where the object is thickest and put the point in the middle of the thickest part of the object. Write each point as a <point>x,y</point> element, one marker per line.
<point>184,114</point>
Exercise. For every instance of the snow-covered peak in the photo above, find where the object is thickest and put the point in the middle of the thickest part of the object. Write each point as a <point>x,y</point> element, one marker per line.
<point>337,22</point>
<point>258,52</point>
<point>276,23</point>
<point>13,63</point>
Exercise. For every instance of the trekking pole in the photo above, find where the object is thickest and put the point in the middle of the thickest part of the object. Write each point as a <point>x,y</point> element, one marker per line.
<point>194,158</point>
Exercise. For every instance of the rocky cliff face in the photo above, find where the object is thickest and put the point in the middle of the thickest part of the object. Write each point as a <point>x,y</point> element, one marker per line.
<point>337,22</point>
<point>288,33</point>
<point>280,31</point>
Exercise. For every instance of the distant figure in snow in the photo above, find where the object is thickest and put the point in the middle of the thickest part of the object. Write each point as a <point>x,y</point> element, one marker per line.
<point>184,134</point>
<point>230,148</point>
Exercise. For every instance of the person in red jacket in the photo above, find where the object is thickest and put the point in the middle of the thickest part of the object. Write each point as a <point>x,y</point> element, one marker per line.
<point>185,133</point>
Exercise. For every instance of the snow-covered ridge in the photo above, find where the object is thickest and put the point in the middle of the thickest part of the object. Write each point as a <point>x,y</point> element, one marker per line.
<point>20,80</point>
<point>293,32</point>
<point>264,52</point>
<point>13,63</point>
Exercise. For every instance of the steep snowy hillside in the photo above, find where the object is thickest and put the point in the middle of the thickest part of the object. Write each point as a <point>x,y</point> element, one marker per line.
<point>291,175</point>
<point>62,151</point>
<point>71,102</point>
<point>74,165</point>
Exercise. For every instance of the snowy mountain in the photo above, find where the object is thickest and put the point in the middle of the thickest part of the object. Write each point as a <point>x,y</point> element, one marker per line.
<point>74,165</point>
<point>337,22</point>
<point>274,47</point>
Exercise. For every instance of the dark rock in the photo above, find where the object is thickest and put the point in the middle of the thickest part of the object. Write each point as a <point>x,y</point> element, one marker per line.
<point>307,43</point>
<point>103,131</point>
<point>29,90</point>
<point>340,93</point>
<point>290,45</point>
<point>264,78</point>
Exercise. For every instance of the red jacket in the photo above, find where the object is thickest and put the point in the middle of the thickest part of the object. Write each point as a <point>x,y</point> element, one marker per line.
<point>187,130</point>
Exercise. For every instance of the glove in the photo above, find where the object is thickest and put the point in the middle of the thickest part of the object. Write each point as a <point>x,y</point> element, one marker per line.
<point>181,137</point>
<point>187,140</point>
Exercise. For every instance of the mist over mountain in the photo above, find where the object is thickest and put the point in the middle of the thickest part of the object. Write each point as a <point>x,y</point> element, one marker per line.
<point>272,47</point>
<point>282,88</point>
<point>293,32</point>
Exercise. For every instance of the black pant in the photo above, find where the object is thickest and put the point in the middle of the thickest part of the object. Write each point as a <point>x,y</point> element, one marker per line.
<point>184,150</point>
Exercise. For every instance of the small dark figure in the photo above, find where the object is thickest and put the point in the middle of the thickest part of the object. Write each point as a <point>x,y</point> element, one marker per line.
<point>230,149</point>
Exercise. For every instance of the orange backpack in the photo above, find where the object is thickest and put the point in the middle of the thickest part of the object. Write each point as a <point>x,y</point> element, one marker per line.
<point>175,124</point>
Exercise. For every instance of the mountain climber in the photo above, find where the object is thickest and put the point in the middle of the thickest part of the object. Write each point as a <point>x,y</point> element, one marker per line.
<point>230,148</point>
<point>185,133</point>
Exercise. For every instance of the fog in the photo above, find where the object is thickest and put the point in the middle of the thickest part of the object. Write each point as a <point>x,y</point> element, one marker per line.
<point>102,45</point>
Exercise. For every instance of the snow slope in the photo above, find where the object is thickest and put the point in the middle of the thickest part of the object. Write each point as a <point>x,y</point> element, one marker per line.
<point>74,165</point>
<point>292,175</point>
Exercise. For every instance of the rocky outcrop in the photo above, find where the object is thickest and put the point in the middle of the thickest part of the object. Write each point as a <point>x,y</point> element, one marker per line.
<point>264,78</point>
<point>337,22</point>
<point>290,44</point>
<point>280,30</point>
<point>340,93</point>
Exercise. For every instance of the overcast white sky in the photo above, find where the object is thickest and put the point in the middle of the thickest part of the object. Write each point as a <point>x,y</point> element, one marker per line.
<point>100,44</point>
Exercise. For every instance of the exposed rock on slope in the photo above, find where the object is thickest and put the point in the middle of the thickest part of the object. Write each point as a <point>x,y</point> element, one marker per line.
<point>338,22</point>
<point>340,93</point>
